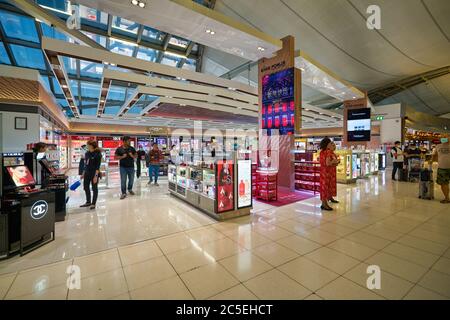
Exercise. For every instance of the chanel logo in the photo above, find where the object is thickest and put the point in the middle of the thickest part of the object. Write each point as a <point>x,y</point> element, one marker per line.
<point>39,209</point>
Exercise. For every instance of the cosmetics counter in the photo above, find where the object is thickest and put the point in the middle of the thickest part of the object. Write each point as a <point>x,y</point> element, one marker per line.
<point>222,189</point>
<point>28,208</point>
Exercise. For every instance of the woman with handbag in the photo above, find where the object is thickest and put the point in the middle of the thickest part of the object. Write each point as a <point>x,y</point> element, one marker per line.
<point>328,163</point>
<point>91,175</point>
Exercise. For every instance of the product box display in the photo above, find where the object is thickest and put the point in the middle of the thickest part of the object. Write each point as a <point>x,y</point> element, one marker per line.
<point>344,170</point>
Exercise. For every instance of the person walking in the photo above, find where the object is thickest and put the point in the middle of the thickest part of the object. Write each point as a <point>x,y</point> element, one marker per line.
<point>126,154</point>
<point>154,159</point>
<point>397,159</point>
<point>442,156</point>
<point>333,180</point>
<point>328,165</point>
<point>91,173</point>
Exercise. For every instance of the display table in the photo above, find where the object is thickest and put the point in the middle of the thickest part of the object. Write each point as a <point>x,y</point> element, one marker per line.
<point>267,184</point>
<point>28,221</point>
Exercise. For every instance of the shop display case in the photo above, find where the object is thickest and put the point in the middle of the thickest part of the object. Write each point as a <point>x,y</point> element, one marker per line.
<point>381,161</point>
<point>356,166</point>
<point>214,188</point>
<point>307,176</point>
<point>344,170</point>
<point>374,163</point>
<point>365,164</point>
<point>267,184</point>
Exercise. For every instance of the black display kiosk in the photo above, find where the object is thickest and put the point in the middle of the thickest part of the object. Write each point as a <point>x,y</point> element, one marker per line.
<point>27,219</point>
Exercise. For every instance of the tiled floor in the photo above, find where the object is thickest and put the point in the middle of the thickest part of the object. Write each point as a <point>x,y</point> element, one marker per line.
<point>152,246</point>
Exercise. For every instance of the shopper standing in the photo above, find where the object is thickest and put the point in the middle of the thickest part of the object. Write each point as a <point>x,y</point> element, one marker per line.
<point>442,156</point>
<point>126,154</point>
<point>91,173</point>
<point>140,156</point>
<point>397,159</point>
<point>333,180</point>
<point>327,164</point>
<point>154,160</point>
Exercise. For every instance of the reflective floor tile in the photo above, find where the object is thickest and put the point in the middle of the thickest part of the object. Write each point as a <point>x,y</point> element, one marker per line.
<point>437,282</point>
<point>144,273</point>
<point>307,273</point>
<point>352,249</point>
<point>333,260</point>
<point>98,263</point>
<point>275,285</point>
<point>274,253</point>
<point>238,292</point>
<point>208,281</point>
<point>101,286</point>
<point>245,265</point>
<point>343,289</point>
<point>139,252</point>
<point>169,289</point>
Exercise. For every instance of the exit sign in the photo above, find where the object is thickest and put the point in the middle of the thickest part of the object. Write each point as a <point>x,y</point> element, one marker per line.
<point>379,118</point>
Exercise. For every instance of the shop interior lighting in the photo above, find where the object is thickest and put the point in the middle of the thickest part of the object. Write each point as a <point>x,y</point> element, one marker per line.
<point>141,4</point>
<point>211,32</point>
<point>261,49</point>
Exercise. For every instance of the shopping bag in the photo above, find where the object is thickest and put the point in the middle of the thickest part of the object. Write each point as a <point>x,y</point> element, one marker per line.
<point>75,185</point>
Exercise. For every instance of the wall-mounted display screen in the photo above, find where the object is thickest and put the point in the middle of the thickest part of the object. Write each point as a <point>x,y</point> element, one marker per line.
<point>278,106</point>
<point>244,181</point>
<point>358,124</point>
<point>225,186</point>
<point>21,176</point>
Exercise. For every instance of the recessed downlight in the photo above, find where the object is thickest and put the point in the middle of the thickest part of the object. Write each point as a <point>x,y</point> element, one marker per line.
<point>138,3</point>
<point>262,49</point>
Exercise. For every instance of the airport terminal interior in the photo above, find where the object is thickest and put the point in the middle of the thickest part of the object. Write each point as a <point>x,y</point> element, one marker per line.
<point>224,150</point>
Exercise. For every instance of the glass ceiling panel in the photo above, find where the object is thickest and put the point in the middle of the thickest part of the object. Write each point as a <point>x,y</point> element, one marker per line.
<point>4,59</point>
<point>28,57</point>
<point>86,95</point>
<point>60,5</point>
<point>70,65</point>
<point>93,17</point>
<point>51,32</point>
<point>147,54</point>
<point>142,103</point>
<point>121,47</point>
<point>177,42</point>
<point>190,64</point>
<point>170,60</point>
<point>46,84</point>
<point>56,86</point>
<point>152,34</point>
<point>101,40</point>
<point>18,26</point>
<point>122,24</point>
<point>91,69</point>
<point>116,98</point>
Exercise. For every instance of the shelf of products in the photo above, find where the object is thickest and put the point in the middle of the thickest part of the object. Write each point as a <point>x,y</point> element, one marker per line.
<point>254,179</point>
<point>267,185</point>
<point>307,176</point>
<point>344,170</point>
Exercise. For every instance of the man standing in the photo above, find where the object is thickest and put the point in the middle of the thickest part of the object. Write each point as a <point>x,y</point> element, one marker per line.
<point>397,158</point>
<point>154,160</point>
<point>442,156</point>
<point>126,154</point>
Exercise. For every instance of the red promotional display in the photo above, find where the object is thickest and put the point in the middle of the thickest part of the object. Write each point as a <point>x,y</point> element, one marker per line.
<point>225,186</point>
<point>21,176</point>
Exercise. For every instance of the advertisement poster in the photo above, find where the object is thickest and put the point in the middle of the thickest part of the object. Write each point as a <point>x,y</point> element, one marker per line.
<point>278,107</point>
<point>225,186</point>
<point>358,124</point>
<point>244,180</point>
<point>21,176</point>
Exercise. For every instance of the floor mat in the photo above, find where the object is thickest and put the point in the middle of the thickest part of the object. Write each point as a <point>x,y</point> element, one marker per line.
<point>285,197</point>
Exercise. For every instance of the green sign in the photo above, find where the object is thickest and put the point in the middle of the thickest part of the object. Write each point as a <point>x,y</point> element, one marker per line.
<point>379,118</point>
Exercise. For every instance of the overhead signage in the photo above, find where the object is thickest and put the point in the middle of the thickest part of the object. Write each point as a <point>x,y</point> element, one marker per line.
<point>358,124</point>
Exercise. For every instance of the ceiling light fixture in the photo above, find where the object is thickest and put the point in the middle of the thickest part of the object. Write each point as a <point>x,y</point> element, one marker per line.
<point>261,49</point>
<point>141,4</point>
<point>134,2</point>
<point>211,32</point>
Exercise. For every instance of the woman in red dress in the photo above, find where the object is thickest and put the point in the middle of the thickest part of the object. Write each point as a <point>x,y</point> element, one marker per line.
<point>328,163</point>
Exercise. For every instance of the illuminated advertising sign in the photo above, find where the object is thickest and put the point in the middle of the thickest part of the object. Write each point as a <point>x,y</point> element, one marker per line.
<point>244,181</point>
<point>278,106</point>
<point>225,186</point>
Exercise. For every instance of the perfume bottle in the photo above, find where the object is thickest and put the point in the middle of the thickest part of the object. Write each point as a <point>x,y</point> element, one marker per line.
<point>241,188</point>
<point>292,105</point>
<point>285,121</point>
<point>277,107</point>
<point>269,109</point>
<point>277,122</point>
<point>269,123</point>
<point>284,106</point>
